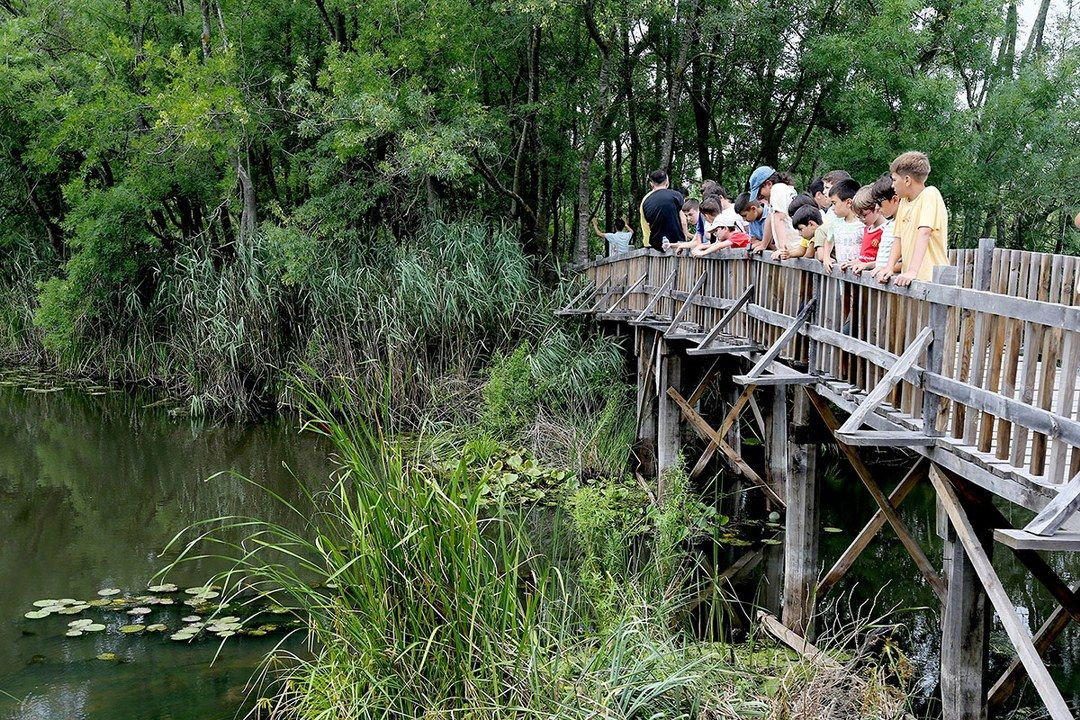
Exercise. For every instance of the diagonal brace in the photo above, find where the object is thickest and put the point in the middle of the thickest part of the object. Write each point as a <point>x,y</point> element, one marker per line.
<point>785,337</point>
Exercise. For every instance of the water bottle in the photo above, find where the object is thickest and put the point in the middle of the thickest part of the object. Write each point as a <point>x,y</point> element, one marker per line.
<point>665,243</point>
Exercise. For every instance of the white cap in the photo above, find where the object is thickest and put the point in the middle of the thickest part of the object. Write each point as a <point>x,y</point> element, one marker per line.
<point>725,218</point>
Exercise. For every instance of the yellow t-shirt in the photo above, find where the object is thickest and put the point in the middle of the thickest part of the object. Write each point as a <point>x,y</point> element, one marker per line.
<point>926,210</point>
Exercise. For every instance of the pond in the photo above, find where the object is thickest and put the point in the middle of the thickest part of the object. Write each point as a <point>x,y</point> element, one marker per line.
<point>94,484</point>
<point>92,488</point>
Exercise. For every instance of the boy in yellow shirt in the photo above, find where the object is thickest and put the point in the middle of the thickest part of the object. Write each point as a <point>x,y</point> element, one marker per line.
<point>922,222</point>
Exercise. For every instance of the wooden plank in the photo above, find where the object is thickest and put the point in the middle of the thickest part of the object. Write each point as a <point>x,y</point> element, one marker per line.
<point>726,318</point>
<point>1022,540</point>
<point>801,528</point>
<point>686,303</point>
<point>891,378</point>
<point>877,521</point>
<point>729,419</point>
<point>797,643</point>
<point>629,290</point>
<point>898,525</point>
<point>886,438</point>
<point>1014,626</point>
<point>1060,509</point>
<point>936,350</point>
<point>659,294</point>
<point>774,351</point>
<point>776,379</point>
<point>1048,632</point>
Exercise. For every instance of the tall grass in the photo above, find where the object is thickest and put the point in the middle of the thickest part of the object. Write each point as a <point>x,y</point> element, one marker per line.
<point>222,333</point>
<point>417,604</point>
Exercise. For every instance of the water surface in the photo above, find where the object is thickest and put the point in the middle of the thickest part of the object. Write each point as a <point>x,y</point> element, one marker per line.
<point>92,488</point>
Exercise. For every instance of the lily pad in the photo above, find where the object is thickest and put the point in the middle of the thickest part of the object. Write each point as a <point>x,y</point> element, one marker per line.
<point>45,603</point>
<point>139,611</point>
<point>832,530</point>
<point>80,623</point>
<point>100,602</point>
<point>96,627</point>
<point>165,588</point>
<point>181,636</point>
<point>130,629</point>
<point>156,627</point>
<point>107,657</point>
<point>74,633</point>
<point>166,601</point>
<point>226,633</point>
<point>109,592</point>
<point>198,590</point>
<point>36,614</point>
<point>770,541</point>
<point>191,619</point>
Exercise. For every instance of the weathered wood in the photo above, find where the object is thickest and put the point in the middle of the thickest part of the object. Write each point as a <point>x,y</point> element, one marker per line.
<point>1022,540</point>
<point>667,424</point>
<point>1060,509</point>
<point>730,418</point>
<point>891,378</point>
<point>1014,626</point>
<point>629,290</point>
<point>686,303</point>
<point>657,295</point>
<point>727,317</point>
<point>797,643</point>
<point>773,352</point>
<point>935,351</point>
<point>877,521</point>
<point>777,471</point>
<point>886,438</point>
<point>898,525</point>
<point>1048,632</point>
<point>587,287</point>
<point>776,379</point>
<point>801,490</point>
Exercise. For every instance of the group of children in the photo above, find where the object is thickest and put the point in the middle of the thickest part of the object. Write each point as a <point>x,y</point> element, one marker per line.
<point>896,226</point>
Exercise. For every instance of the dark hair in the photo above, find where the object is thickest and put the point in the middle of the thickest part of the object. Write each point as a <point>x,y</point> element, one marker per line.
<point>742,202</point>
<point>620,223</point>
<point>845,189</point>
<point>684,191</point>
<point>818,186</point>
<point>798,201</point>
<point>709,206</point>
<point>882,189</point>
<point>657,177</point>
<point>691,204</point>
<point>834,176</point>
<point>720,191</point>
<point>781,177</point>
<point>806,214</point>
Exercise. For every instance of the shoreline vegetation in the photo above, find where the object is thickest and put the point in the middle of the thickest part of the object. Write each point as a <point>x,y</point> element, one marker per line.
<point>429,589</point>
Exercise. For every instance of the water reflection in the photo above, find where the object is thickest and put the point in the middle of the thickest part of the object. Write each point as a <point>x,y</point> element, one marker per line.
<point>91,490</point>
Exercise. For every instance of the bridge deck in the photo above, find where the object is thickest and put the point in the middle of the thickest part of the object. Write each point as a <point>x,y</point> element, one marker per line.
<point>1004,379</point>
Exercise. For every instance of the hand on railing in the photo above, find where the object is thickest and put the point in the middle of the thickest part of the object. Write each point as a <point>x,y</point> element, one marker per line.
<point>827,264</point>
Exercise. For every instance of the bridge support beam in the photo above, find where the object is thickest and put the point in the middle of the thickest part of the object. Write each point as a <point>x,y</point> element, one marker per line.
<point>965,628</point>
<point>777,469</point>
<point>800,527</point>
<point>669,414</point>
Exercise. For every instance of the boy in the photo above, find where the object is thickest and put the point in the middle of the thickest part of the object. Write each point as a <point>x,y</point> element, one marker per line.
<point>691,212</point>
<point>844,234</point>
<point>618,241</point>
<point>807,220</point>
<point>724,229</point>
<point>753,214</point>
<point>887,202</point>
<point>705,213</point>
<point>818,192</point>
<point>873,224</point>
<point>922,222</point>
<point>778,190</point>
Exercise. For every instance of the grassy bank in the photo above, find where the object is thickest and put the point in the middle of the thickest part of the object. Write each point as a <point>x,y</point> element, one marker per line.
<point>221,332</point>
<point>427,593</point>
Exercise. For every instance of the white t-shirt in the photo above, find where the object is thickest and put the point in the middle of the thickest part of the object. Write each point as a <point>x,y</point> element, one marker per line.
<point>618,242</point>
<point>885,246</point>
<point>780,198</point>
<point>846,238</point>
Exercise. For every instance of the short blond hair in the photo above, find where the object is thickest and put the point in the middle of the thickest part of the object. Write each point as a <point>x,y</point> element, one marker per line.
<point>913,163</point>
<point>864,199</point>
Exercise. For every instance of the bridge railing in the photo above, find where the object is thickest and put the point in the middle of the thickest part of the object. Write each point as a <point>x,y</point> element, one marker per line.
<point>999,377</point>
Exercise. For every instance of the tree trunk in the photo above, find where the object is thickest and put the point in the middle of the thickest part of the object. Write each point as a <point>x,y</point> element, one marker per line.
<point>636,174</point>
<point>589,145</point>
<point>204,10</point>
<point>685,18</point>
<point>247,195</point>
<point>1035,39</point>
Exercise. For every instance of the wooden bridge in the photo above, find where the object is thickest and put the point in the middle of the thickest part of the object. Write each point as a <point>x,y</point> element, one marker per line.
<point>976,372</point>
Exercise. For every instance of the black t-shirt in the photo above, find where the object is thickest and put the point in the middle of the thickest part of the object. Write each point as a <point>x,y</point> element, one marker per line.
<point>662,210</point>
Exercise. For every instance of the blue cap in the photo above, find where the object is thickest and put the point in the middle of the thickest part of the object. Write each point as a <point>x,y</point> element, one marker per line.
<point>758,178</point>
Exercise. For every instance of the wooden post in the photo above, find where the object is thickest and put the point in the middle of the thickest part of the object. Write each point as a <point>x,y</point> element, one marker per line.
<point>801,528</point>
<point>646,388</point>
<point>935,351</point>
<point>669,414</point>
<point>777,469</point>
<point>984,263</point>
<point>965,631</point>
